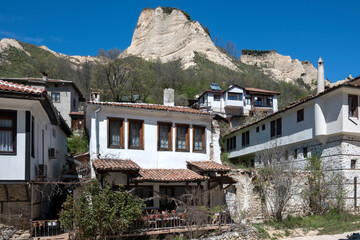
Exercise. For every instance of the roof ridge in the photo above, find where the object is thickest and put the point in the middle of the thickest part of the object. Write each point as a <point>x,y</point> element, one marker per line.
<point>15,87</point>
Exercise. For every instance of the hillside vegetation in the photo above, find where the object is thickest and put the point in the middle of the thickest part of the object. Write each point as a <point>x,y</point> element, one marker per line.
<point>135,79</point>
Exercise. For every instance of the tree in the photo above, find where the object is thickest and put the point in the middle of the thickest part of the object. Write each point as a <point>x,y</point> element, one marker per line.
<point>277,180</point>
<point>114,74</point>
<point>99,212</point>
<point>325,184</point>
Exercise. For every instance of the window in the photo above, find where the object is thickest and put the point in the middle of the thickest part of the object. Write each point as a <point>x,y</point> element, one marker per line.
<point>54,132</point>
<point>74,104</point>
<point>248,100</point>
<point>300,115</point>
<point>353,164</point>
<point>235,96</point>
<point>257,129</point>
<point>305,152</point>
<point>263,127</point>
<point>353,105</point>
<point>7,132</point>
<point>55,96</point>
<point>164,136</point>
<point>136,134</point>
<point>32,137</point>
<point>182,138</point>
<point>295,153</point>
<point>216,97</point>
<point>286,155</point>
<point>115,133</point>
<point>245,139</point>
<point>278,127</point>
<point>258,102</point>
<point>275,128</point>
<point>231,144</point>
<point>269,101</point>
<point>199,139</point>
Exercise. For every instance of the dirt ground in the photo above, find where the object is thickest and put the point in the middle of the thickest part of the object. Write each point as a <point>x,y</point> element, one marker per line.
<point>342,236</point>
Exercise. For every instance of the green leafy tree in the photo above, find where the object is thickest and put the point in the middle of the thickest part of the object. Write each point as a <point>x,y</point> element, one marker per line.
<point>78,143</point>
<point>99,212</point>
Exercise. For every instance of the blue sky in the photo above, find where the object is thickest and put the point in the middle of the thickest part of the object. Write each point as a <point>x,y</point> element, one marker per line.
<point>302,29</point>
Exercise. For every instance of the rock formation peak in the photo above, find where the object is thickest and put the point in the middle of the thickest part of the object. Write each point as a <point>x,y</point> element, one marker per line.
<point>168,34</point>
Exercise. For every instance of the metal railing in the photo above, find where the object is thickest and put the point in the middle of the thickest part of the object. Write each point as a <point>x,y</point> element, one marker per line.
<point>164,221</point>
<point>46,228</point>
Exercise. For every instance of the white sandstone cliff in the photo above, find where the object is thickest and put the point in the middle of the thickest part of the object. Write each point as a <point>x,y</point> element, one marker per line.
<point>168,37</point>
<point>282,68</point>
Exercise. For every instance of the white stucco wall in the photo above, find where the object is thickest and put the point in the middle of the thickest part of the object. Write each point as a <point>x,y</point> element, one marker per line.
<point>150,157</point>
<point>13,166</point>
<point>334,114</point>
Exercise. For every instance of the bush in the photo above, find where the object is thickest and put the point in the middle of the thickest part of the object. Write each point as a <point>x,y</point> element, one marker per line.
<point>100,212</point>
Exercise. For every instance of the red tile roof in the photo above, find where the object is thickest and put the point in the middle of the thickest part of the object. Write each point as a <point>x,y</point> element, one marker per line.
<point>209,166</point>
<point>157,107</point>
<point>355,83</point>
<point>258,90</point>
<point>77,113</point>
<point>14,87</point>
<point>115,165</point>
<point>169,175</point>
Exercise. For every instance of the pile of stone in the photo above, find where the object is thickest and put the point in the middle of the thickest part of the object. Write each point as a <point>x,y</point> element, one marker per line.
<point>237,232</point>
<point>11,233</point>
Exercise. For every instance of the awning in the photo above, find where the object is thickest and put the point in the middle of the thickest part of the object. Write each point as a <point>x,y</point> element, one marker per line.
<point>168,175</point>
<point>115,165</point>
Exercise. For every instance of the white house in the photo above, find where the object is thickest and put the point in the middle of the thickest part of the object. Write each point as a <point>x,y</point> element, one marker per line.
<point>32,146</point>
<point>237,101</point>
<point>151,145</point>
<point>64,94</point>
<point>326,123</point>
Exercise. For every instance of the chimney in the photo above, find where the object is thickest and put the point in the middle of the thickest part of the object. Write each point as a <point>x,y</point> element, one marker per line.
<point>320,76</point>
<point>169,97</point>
<point>95,96</point>
<point>45,76</point>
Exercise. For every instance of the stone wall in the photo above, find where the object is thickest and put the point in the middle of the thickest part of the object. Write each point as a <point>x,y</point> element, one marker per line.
<point>336,155</point>
<point>247,203</point>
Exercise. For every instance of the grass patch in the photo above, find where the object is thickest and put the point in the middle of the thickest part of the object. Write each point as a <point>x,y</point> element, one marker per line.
<point>329,223</point>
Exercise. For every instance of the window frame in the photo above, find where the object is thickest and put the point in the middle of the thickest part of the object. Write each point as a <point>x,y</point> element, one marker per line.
<point>54,99</point>
<point>353,163</point>
<point>305,152</point>
<point>300,115</point>
<point>141,147</point>
<point>217,99</point>
<point>238,96</point>
<point>245,139</point>
<point>10,115</point>
<point>187,138</point>
<point>276,128</point>
<point>170,134</point>
<point>203,138</point>
<point>121,120</point>
<point>356,106</point>
<point>32,134</point>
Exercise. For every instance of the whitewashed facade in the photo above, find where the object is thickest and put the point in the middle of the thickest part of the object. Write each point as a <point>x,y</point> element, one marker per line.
<point>32,145</point>
<point>238,101</point>
<point>191,135</point>
<point>326,124</point>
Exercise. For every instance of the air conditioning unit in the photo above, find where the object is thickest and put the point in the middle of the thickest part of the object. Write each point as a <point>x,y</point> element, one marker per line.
<point>52,153</point>
<point>41,171</point>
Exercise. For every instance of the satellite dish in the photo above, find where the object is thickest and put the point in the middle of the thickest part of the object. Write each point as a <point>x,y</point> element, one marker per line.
<point>255,98</point>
